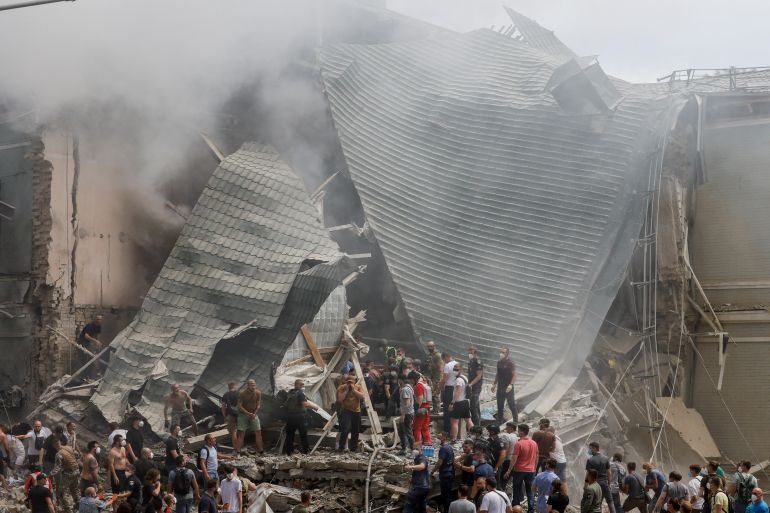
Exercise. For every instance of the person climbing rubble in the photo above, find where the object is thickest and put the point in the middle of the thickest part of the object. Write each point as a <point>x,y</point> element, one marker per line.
<point>181,405</point>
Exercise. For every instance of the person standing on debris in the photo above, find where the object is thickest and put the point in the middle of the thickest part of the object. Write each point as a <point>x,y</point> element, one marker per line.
<point>89,476</point>
<point>229,406</point>
<point>558,500</point>
<point>633,487</point>
<point>545,439</point>
<point>447,387</point>
<point>296,405</point>
<point>135,439</point>
<point>144,464</point>
<point>462,504</point>
<point>745,483</point>
<point>694,488</point>
<point>71,436</point>
<point>592,494</point>
<point>208,462</point>
<point>508,438</point>
<point>497,450</point>
<point>5,452</point>
<point>757,504</point>
<point>172,448</point>
<point>654,480</point>
<point>422,395</point>
<point>349,394</point>
<point>35,440</point>
<point>417,498</point>
<point>181,405</point>
<point>49,450</point>
<point>18,455</point>
<point>445,466</point>
<point>390,390</point>
<point>117,463</point>
<point>40,496</point>
<point>435,371</point>
<point>523,464</point>
<point>618,478</point>
<point>208,502</point>
<point>475,383</point>
<point>67,469</point>
<point>249,403</point>
<point>133,490</point>
<point>231,492</point>
<point>305,499</point>
<point>90,339</point>
<point>503,386</point>
<point>182,483</point>
<point>601,464</point>
<point>406,420</point>
<point>465,463</point>
<point>495,501</point>
<point>460,405</point>
<point>542,485</point>
<point>115,430</point>
<point>674,489</point>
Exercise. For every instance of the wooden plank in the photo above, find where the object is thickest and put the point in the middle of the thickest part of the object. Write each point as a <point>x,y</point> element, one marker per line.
<point>328,427</point>
<point>326,350</point>
<point>196,442</point>
<point>308,336</point>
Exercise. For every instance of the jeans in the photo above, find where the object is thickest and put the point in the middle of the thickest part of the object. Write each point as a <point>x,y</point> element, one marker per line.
<point>523,479</point>
<point>446,397</point>
<point>447,482</point>
<point>639,504</point>
<point>475,406</point>
<point>616,501</point>
<point>502,398</point>
<point>416,500</point>
<point>296,422</point>
<point>350,424</point>
<point>407,433</point>
<point>183,505</point>
<point>607,495</point>
<point>561,471</point>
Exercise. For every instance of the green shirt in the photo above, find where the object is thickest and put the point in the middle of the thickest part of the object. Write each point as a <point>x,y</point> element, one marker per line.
<point>592,499</point>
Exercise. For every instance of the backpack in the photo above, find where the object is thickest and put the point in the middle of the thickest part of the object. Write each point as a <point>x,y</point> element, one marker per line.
<point>182,481</point>
<point>292,403</point>
<point>745,486</point>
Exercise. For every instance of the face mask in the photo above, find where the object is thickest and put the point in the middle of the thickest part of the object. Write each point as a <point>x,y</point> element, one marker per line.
<point>470,356</point>
<point>219,490</point>
<point>151,456</point>
<point>754,498</point>
<point>122,443</point>
<point>475,462</point>
<point>589,453</point>
<point>98,450</point>
<point>229,476</point>
<point>141,423</point>
<point>502,356</point>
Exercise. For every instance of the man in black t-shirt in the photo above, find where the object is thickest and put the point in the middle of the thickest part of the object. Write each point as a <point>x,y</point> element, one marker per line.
<point>229,407</point>
<point>134,489</point>
<point>89,338</point>
<point>135,439</point>
<point>172,448</point>
<point>475,382</point>
<point>296,404</point>
<point>40,497</point>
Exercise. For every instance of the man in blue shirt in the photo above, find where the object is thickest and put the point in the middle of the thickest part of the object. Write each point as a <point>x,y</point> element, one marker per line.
<point>655,481</point>
<point>207,459</point>
<point>542,484</point>
<point>417,498</point>
<point>446,471</point>
<point>757,505</point>
<point>208,502</point>
<point>483,468</point>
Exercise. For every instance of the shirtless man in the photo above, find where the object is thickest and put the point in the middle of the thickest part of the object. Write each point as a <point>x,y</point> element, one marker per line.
<point>6,450</point>
<point>90,475</point>
<point>117,462</point>
<point>180,404</point>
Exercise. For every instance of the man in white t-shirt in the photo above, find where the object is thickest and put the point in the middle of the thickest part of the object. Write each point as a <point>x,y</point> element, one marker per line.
<point>495,501</point>
<point>35,441</point>
<point>447,387</point>
<point>460,405</point>
<point>231,492</point>
<point>694,488</point>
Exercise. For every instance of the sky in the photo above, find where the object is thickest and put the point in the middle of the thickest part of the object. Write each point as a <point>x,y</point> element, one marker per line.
<point>637,41</point>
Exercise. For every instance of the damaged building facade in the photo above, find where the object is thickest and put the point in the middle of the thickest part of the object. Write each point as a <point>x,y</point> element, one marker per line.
<point>500,191</point>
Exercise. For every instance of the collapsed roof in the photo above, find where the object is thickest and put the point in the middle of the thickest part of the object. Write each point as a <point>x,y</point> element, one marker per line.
<point>251,266</point>
<point>507,213</point>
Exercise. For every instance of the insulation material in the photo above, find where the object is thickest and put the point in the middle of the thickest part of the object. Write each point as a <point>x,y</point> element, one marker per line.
<point>503,220</point>
<point>244,257</point>
<point>326,326</point>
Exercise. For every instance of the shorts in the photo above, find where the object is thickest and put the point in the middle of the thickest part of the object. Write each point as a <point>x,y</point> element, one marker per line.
<point>85,483</point>
<point>245,423</point>
<point>461,410</point>
<point>178,416</point>
<point>232,422</point>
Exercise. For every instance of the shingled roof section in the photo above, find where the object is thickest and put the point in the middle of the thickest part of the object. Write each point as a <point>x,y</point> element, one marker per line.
<point>504,221</point>
<point>247,255</point>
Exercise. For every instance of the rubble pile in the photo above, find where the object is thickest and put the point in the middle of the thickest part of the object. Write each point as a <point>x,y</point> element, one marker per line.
<point>12,500</point>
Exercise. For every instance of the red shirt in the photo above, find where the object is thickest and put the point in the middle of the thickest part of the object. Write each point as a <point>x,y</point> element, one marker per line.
<point>419,390</point>
<point>525,451</point>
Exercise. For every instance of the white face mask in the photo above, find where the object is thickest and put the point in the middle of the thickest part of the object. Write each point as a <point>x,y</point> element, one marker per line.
<point>470,356</point>
<point>229,476</point>
<point>98,450</point>
<point>502,356</point>
<point>141,424</point>
<point>122,443</point>
<point>150,456</point>
<point>219,490</point>
<point>754,498</point>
